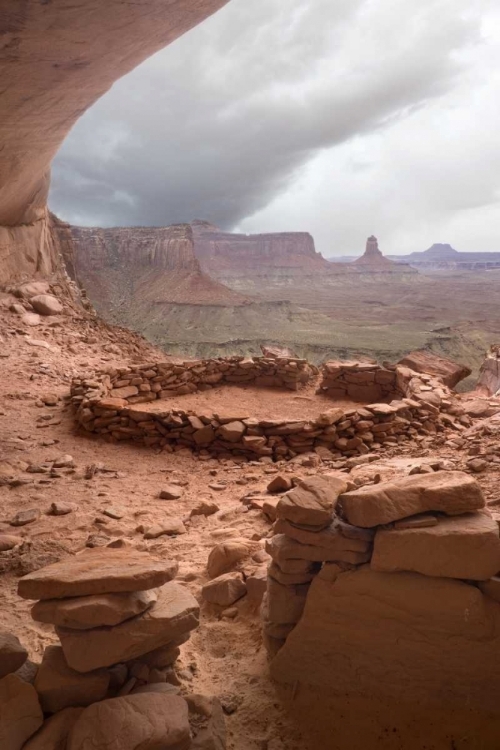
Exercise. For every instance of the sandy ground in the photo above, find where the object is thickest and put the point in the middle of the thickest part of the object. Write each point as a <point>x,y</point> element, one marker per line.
<point>262,403</point>
<point>224,656</point>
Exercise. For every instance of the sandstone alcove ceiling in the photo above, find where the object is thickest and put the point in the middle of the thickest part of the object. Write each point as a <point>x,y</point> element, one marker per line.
<point>56,60</point>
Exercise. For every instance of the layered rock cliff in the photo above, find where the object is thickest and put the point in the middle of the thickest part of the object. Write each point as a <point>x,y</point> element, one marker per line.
<point>227,256</point>
<point>129,269</point>
<point>56,59</point>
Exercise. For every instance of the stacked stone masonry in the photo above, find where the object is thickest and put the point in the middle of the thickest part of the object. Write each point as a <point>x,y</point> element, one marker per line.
<point>120,619</point>
<point>421,547</point>
<point>398,404</point>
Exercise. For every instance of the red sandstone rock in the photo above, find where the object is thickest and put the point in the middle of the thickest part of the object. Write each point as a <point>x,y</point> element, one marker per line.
<point>451,492</point>
<point>435,648</point>
<point>98,571</point>
<point>466,546</point>
<point>450,372</point>
<point>312,501</point>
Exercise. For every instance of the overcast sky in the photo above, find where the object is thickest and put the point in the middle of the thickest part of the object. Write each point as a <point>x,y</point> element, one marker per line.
<point>338,117</point>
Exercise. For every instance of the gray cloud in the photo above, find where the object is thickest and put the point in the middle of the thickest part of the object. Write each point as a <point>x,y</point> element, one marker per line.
<point>241,120</point>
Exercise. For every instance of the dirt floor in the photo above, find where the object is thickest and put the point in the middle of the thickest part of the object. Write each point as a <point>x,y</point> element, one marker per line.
<point>248,401</point>
<point>225,656</point>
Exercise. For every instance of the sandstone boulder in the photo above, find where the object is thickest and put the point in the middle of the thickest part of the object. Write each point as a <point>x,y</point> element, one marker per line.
<point>225,589</point>
<point>312,502</point>
<point>171,492</point>
<point>32,289</point>
<point>226,555</point>
<point>97,571</point>
<point>46,304</point>
<point>428,640</point>
<point>8,542</point>
<point>175,614</point>
<point>84,612</point>
<point>450,372</point>
<point>151,721</point>
<point>12,653</point>
<point>466,546</point>
<point>257,585</point>
<point>53,735</point>
<point>20,712</point>
<point>451,492</point>
<point>58,686</point>
<point>280,483</point>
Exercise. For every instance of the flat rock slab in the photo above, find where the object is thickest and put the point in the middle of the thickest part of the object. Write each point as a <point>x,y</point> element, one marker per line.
<point>283,550</point>
<point>58,686</point>
<point>149,721</point>
<point>175,614</point>
<point>466,546</point>
<point>312,502</point>
<point>330,538</point>
<point>20,712</point>
<point>12,653</point>
<point>97,571</point>
<point>451,492</point>
<point>54,733</point>
<point>98,610</point>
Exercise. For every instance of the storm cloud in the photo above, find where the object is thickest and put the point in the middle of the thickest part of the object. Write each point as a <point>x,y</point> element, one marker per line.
<point>340,118</point>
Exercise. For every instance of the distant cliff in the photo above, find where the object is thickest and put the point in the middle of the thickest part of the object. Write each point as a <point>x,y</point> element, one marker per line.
<point>226,256</point>
<point>127,270</point>
<point>443,257</point>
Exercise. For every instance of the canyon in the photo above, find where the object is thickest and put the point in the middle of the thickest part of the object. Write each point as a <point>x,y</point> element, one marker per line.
<point>224,576</point>
<point>199,291</point>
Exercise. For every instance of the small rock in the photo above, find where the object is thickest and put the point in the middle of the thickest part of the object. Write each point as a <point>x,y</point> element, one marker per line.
<point>115,513</point>
<point>12,654</point>
<point>217,486</point>
<point>61,509</point>
<point>280,483</point>
<point>63,462</point>
<point>225,589</point>
<point>171,492</point>
<point>8,542</point>
<point>205,508</point>
<point>24,517</point>
<point>477,465</point>
<point>46,304</point>
<point>170,527</point>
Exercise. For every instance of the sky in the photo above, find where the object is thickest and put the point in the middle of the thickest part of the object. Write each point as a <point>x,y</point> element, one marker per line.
<point>343,118</point>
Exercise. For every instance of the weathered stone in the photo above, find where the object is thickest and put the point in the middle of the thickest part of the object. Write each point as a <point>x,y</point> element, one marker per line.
<point>312,502</point>
<point>97,571</point>
<point>451,492</point>
<point>23,517</point>
<point>12,653</point>
<point>450,372</point>
<point>280,483</point>
<point>225,589</point>
<point>85,612</point>
<point>8,542</point>
<point>284,604</point>
<point>20,712</point>
<point>171,492</point>
<point>226,555</point>
<point>288,579</point>
<point>283,549</point>
<point>204,508</point>
<point>61,509</point>
<point>257,585</point>
<point>420,521</point>
<point>232,432</point>
<point>46,304</point>
<point>466,546</point>
<point>54,733</point>
<point>330,538</point>
<point>269,507</point>
<point>150,721</point>
<point>58,686</point>
<point>123,393</point>
<point>428,639</point>
<point>175,614</point>
<point>168,527</point>
<point>213,736</point>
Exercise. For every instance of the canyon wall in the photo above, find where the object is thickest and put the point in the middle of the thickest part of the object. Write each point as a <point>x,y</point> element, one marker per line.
<point>57,59</point>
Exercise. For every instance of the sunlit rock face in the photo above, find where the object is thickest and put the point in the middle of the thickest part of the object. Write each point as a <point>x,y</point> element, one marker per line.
<point>58,59</point>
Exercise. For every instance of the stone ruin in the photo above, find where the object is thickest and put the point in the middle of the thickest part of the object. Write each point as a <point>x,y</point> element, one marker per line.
<point>397,404</point>
<point>120,619</point>
<point>389,590</point>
